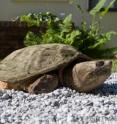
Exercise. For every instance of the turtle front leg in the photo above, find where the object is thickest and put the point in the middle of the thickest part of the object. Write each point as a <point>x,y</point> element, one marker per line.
<point>44,84</point>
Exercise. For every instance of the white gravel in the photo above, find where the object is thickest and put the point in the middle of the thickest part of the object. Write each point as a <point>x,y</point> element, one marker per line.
<point>63,106</point>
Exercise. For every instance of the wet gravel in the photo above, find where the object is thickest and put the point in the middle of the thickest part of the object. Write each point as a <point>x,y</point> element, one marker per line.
<point>62,106</point>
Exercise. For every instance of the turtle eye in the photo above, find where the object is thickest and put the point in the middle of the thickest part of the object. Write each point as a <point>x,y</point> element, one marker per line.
<point>99,63</point>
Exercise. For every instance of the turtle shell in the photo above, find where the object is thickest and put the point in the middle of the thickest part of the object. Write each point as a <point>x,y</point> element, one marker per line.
<point>29,62</point>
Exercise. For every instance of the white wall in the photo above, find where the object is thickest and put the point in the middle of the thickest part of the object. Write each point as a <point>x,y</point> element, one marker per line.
<point>12,8</point>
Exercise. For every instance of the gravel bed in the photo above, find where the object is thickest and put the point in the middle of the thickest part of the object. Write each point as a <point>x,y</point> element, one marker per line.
<point>62,106</point>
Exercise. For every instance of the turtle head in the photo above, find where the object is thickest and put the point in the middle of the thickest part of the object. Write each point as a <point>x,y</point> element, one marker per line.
<point>90,75</point>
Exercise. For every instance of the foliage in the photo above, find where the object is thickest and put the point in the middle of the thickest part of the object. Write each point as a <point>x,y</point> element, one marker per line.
<point>32,39</point>
<point>57,32</point>
<point>88,39</point>
<point>114,65</point>
<point>92,39</point>
<point>99,6</point>
<point>33,19</point>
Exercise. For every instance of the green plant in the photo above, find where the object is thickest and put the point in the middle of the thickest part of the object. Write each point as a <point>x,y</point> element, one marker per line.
<point>58,31</point>
<point>32,39</point>
<point>33,19</point>
<point>91,40</point>
<point>99,6</point>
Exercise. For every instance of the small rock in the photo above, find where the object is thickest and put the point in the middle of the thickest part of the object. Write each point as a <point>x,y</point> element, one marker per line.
<point>6,96</point>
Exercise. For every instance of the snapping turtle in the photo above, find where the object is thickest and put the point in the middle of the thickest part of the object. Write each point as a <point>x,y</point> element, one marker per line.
<point>43,68</point>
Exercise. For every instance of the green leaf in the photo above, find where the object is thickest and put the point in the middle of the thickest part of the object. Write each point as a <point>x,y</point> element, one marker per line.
<point>67,25</point>
<point>102,40</point>
<point>51,36</point>
<point>98,7</point>
<point>32,39</point>
<point>68,20</point>
<point>107,8</point>
<point>71,37</point>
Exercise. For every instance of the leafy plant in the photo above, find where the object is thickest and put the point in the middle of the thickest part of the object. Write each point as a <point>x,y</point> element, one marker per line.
<point>99,6</point>
<point>33,19</point>
<point>32,39</point>
<point>88,39</point>
<point>66,26</point>
<point>92,40</point>
<point>57,32</point>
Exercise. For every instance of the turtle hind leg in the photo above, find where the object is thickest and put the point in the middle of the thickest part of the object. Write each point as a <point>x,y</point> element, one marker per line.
<point>44,84</point>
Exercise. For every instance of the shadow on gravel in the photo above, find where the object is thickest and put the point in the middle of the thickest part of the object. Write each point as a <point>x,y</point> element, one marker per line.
<point>106,89</point>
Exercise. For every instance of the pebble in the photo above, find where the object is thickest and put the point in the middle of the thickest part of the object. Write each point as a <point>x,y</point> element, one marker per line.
<point>62,106</point>
<point>6,96</point>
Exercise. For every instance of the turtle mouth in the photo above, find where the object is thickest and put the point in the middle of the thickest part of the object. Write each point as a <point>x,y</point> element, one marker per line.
<point>102,71</point>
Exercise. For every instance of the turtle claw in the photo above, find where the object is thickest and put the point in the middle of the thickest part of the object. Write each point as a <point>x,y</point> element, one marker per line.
<point>44,84</point>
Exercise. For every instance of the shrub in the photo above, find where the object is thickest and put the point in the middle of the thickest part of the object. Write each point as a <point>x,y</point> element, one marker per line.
<point>88,39</point>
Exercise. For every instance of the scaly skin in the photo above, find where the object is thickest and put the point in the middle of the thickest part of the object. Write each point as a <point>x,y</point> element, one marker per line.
<point>87,76</point>
<point>44,84</point>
